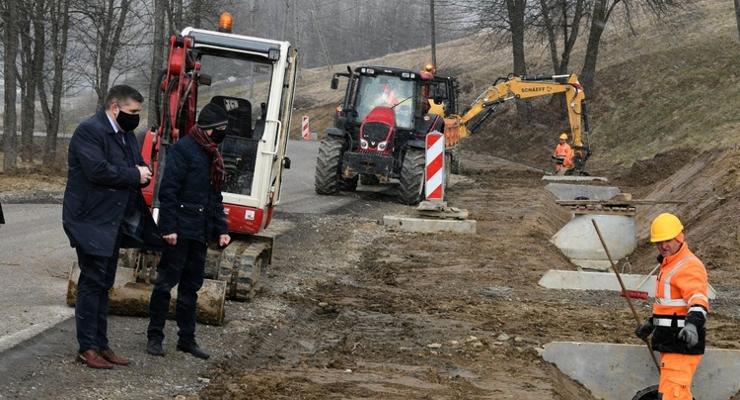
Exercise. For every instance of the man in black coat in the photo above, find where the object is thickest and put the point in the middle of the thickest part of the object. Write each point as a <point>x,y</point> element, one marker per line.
<point>191,214</point>
<point>103,210</point>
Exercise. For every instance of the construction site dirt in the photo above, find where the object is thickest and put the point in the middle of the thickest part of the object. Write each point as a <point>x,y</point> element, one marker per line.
<point>348,310</point>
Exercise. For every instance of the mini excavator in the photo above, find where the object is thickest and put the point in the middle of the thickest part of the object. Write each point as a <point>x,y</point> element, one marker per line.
<point>253,79</point>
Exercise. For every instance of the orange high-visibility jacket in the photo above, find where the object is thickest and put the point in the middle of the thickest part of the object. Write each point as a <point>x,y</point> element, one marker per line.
<point>681,287</point>
<point>566,152</point>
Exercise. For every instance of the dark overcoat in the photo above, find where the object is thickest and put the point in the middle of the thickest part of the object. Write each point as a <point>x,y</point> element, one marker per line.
<point>102,181</point>
<point>189,205</point>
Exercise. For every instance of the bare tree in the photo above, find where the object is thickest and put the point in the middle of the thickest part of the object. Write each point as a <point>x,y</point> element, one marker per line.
<point>506,21</point>
<point>59,20</point>
<point>105,31</point>
<point>32,62</point>
<point>561,18</point>
<point>10,47</point>
<point>158,44</point>
<point>600,13</point>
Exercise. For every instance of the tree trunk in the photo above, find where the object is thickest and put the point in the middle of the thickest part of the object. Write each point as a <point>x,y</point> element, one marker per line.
<point>59,34</point>
<point>110,44</point>
<point>737,17</point>
<point>33,65</point>
<point>10,16</point>
<point>598,23</point>
<point>157,59</point>
<point>550,30</point>
<point>197,8</point>
<point>25,81</point>
<point>516,9</point>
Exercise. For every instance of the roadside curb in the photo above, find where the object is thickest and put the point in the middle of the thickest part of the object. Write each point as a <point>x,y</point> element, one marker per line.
<point>61,314</point>
<point>38,197</point>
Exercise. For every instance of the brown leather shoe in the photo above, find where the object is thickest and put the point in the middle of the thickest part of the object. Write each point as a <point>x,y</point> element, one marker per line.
<point>93,360</point>
<point>114,358</point>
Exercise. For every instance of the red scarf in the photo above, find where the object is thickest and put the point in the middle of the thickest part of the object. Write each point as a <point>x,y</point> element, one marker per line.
<point>217,163</point>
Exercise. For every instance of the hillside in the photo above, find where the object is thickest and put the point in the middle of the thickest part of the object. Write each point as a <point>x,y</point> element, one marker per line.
<point>672,85</point>
<point>664,117</point>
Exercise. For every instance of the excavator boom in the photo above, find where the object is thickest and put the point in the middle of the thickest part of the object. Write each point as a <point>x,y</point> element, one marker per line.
<point>515,87</point>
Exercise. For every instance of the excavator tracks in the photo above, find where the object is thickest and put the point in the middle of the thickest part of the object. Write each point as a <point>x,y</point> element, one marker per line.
<point>240,265</point>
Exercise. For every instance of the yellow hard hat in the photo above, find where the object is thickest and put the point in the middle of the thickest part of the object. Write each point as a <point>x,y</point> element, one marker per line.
<point>436,109</point>
<point>563,136</point>
<point>665,227</point>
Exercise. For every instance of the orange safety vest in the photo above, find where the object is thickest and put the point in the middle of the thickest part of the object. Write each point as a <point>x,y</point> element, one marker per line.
<point>566,152</point>
<point>681,287</point>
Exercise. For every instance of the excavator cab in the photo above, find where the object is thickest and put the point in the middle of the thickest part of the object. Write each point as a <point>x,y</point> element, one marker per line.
<point>253,79</point>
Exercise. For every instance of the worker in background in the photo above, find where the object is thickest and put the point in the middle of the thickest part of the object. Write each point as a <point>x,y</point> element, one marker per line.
<point>679,311</point>
<point>563,155</point>
<point>103,210</point>
<point>191,214</point>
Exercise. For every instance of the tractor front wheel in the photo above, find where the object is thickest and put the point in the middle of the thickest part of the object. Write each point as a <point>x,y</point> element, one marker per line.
<point>411,188</point>
<point>327,178</point>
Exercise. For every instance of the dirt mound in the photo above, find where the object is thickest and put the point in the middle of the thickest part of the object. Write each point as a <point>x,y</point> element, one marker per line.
<point>649,171</point>
<point>710,188</point>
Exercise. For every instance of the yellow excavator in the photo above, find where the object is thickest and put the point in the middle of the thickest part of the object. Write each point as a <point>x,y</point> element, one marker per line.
<point>515,87</point>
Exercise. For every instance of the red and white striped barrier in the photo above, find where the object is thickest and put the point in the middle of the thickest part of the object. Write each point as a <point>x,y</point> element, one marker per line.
<point>435,167</point>
<point>305,130</point>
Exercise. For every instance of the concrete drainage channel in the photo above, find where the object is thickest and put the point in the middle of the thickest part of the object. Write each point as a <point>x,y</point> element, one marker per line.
<point>616,371</point>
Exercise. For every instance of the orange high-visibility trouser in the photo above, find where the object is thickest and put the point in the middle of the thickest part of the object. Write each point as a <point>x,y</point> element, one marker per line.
<point>676,372</point>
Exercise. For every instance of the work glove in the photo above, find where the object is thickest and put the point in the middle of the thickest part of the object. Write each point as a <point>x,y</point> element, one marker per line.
<point>689,335</point>
<point>643,331</point>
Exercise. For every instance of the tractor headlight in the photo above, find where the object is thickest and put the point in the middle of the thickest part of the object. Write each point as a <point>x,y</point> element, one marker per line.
<point>382,145</point>
<point>363,144</point>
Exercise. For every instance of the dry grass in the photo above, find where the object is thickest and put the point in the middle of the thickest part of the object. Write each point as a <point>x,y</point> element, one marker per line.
<point>671,84</point>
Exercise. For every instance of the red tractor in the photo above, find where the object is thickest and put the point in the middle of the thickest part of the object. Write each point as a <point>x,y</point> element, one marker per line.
<point>380,129</point>
<point>253,79</point>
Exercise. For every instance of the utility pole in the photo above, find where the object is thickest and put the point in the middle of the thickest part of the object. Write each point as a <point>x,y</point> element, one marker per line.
<point>434,39</point>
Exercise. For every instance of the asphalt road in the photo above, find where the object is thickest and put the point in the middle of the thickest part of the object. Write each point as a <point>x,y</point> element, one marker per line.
<point>35,257</point>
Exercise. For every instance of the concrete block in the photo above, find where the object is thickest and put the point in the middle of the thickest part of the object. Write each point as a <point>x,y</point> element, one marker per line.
<point>422,225</point>
<point>565,191</point>
<point>589,280</point>
<point>618,371</point>
<point>565,178</point>
<point>578,240</point>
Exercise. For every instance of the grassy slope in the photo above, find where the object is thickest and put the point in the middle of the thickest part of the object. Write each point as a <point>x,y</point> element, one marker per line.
<point>673,85</point>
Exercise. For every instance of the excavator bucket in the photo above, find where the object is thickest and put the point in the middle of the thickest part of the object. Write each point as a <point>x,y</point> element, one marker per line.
<point>130,293</point>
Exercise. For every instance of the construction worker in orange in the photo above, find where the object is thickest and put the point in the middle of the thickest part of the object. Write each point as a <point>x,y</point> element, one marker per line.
<point>563,155</point>
<point>679,311</point>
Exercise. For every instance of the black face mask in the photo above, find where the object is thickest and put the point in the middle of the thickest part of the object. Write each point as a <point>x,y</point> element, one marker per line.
<point>218,135</point>
<point>127,122</point>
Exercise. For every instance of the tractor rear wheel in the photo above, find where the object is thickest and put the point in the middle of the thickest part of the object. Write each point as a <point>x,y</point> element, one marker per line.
<point>327,178</point>
<point>411,189</point>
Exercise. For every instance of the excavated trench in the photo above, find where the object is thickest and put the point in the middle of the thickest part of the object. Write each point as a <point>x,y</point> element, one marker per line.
<point>417,316</point>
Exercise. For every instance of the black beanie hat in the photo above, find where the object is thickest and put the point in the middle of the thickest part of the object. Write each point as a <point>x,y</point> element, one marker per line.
<point>212,116</point>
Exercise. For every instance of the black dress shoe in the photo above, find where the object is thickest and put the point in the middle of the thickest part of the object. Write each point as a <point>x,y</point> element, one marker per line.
<point>154,347</point>
<point>193,349</point>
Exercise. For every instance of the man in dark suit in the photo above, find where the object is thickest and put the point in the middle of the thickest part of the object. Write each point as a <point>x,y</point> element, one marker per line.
<point>191,214</point>
<point>103,210</point>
